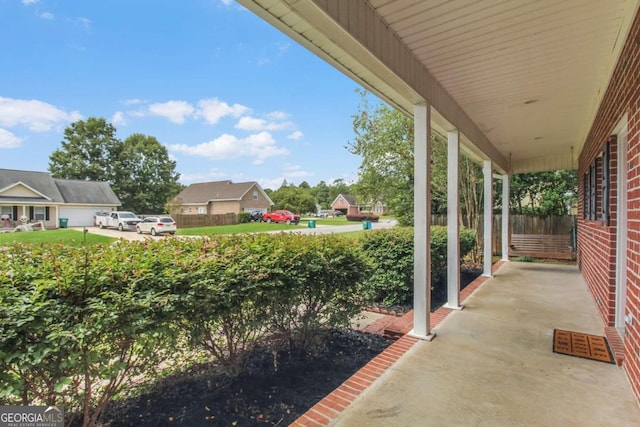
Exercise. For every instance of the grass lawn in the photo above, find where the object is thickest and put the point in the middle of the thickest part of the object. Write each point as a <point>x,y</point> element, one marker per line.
<point>68,236</point>
<point>341,220</point>
<point>249,227</point>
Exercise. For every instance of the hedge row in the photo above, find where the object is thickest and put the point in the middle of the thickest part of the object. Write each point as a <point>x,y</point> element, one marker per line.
<point>391,282</point>
<point>78,326</point>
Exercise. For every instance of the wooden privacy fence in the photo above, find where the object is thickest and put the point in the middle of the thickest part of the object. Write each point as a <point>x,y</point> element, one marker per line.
<point>188,221</point>
<point>556,225</point>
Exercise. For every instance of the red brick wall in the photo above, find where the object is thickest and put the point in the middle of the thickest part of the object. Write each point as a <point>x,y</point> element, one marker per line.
<point>596,240</point>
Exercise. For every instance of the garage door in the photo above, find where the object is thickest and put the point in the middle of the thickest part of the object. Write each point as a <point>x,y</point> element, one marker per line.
<point>80,217</point>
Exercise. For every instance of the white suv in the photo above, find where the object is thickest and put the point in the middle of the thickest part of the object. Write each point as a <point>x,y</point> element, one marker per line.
<point>155,225</point>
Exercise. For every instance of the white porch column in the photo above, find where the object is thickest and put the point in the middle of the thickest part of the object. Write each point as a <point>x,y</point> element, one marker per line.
<point>453,223</point>
<point>421,232</point>
<point>488,217</point>
<point>506,196</point>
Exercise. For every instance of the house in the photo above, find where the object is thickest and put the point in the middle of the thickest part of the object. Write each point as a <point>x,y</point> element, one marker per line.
<point>222,197</point>
<point>346,204</point>
<point>40,197</point>
<point>516,87</point>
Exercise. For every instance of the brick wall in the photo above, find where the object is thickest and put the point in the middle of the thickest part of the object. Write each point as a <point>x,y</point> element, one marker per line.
<point>596,239</point>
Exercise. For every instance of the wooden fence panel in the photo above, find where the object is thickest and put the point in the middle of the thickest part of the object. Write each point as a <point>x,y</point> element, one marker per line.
<point>522,224</point>
<point>189,221</point>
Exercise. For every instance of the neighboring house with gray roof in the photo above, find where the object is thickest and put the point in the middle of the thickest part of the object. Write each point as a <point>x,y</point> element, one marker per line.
<point>222,197</point>
<point>40,197</point>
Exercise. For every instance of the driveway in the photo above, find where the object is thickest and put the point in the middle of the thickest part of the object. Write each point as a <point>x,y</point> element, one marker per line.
<point>320,229</point>
<point>116,234</point>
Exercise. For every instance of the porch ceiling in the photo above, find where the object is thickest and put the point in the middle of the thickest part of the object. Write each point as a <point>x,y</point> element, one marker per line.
<point>521,80</point>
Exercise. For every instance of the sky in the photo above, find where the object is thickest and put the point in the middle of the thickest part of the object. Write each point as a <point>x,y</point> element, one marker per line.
<point>229,96</point>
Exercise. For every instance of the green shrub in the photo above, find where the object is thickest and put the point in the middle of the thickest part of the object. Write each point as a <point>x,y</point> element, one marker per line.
<point>79,325</point>
<point>244,217</point>
<point>391,252</point>
<point>321,277</point>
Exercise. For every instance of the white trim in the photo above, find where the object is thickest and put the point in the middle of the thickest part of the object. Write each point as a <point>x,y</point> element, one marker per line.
<point>488,217</point>
<point>15,184</point>
<point>453,221</point>
<point>506,196</point>
<point>621,131</point>
<point>421,232</point>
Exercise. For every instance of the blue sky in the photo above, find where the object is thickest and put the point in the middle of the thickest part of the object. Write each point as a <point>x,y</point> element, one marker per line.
<point>228,95</point>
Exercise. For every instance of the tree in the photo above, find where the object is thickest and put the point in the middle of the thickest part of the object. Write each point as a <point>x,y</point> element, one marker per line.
<point>139,169</point>
<point>145,175</point>
<point>384,141</point>
<point>543,193</point>
<point>295,199</point>
<point>88,150</point>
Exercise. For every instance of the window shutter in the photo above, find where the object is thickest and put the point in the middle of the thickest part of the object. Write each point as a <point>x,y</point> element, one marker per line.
<point>15,213</point>
<point>606,154</point>
<point>46,213</point>
<point>30,213</point>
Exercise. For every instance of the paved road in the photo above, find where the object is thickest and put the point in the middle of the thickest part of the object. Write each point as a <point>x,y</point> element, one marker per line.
<point>320,229</point>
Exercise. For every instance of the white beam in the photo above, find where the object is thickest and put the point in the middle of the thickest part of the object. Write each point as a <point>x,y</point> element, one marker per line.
<point>421,232</point>
<point>453,223</point>
<point>506,196</point>
<point>488,216</point>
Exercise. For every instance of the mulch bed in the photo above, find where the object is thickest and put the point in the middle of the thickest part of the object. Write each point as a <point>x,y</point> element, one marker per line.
<point>263,395</point>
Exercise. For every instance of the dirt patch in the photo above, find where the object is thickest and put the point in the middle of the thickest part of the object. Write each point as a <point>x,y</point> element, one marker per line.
<point>268,393</point>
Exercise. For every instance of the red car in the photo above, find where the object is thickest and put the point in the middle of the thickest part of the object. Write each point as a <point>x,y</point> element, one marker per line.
<point>281,215</point>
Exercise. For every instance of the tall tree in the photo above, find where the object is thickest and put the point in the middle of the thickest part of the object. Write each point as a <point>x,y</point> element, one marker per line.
<point>88,150</point>
<point>146,176</point>
<point>384,141</point>
<point>139,169</point>
<point>295,199</point>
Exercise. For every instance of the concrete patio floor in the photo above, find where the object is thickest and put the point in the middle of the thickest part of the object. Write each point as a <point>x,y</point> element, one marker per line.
<point>492,364</point>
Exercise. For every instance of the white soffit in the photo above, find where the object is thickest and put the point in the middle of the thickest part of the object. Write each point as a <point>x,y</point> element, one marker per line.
<point>528,74</point>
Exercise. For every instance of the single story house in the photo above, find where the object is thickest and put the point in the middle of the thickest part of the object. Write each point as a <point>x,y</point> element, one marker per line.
<point>222,197</point>
<point>40,197</point>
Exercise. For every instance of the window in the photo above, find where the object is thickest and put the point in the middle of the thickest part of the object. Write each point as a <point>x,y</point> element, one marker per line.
<point>202,210</point>
<point>255,194</point>
<point>595,201</point>
<point>38,213</point>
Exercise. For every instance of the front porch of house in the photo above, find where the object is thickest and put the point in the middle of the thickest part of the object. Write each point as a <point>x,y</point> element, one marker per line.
<point>492,364</point>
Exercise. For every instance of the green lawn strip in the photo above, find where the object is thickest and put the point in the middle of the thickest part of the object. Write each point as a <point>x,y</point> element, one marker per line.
<point>250,227</point>
<point>68,236</point>
<point>327,221</point>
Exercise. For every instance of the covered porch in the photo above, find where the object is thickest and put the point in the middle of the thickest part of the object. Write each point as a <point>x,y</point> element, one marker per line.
<point>518,87</point>
<point>492,364</point>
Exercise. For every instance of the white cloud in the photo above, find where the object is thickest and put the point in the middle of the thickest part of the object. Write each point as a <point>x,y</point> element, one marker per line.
<point>259,146</point>
<point>46,15</point>
<point>255,124</point>
<point>296,135</point>
<point>213,175</point>
<point>277,115</point>
<point>296,171</point>
<point>133,101</point>
<point>81,22</point>
<point>226,2</point>
<point>212,110</point>
<point>272,183</point>
<point>9,140</point>
<point>36,115</point>
<point>175,111</point>
<point>118,119</point>
<point>28,2</point>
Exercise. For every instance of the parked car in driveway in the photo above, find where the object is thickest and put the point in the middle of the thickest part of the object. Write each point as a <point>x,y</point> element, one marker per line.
<point>155,225</point>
